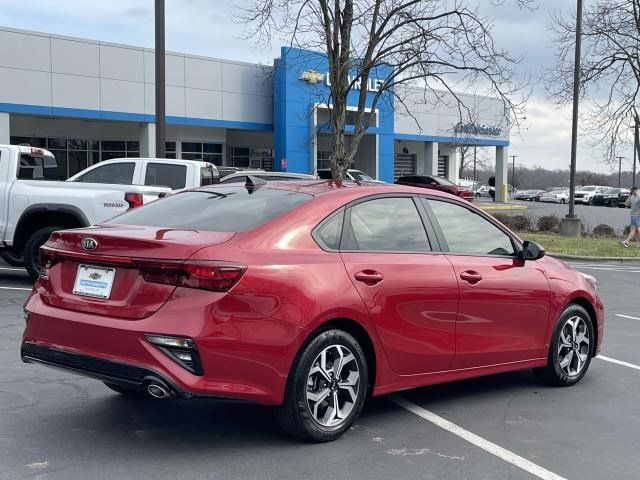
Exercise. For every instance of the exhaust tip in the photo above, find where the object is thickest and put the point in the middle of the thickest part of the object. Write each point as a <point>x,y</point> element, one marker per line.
<point>158,391</point>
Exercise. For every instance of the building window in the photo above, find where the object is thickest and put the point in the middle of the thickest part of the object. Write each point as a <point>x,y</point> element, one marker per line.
<point>323,159</point>
<point>208,152</point>
<point>250,157</point>
<point>170,149</point>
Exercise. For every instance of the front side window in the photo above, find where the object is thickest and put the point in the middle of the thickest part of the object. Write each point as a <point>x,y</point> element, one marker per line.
<point>387,224</point>
<point>166,175</point>
<point>468,233</point>
<point>114,173</point>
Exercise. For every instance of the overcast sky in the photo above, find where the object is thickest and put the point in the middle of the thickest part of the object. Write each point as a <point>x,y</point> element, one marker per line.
<point>206,27</point>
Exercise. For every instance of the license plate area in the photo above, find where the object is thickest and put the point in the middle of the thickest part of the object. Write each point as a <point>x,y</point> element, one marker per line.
<point>95,282</point>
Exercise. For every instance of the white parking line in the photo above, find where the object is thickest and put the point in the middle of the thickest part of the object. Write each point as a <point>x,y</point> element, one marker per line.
<point>480,442</point>
<point>9,269</point>
<point>626,316</point>
<point>15,288</point>
<point>619,362</point>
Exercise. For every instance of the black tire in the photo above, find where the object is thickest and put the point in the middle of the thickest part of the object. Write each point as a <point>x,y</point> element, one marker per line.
<point>613,203</point>
<point>553,374</point>
<point>127,392</point>
<point>32,250</point>
<point>12,258</point>
<point>294,415</point>
<point>563,201</point>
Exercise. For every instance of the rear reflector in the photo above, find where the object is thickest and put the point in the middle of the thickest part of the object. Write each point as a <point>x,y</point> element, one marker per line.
<point>133,199</point>
<point>214,276</point>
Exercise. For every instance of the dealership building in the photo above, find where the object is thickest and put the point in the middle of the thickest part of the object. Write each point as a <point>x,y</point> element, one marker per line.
<point>88,101</point>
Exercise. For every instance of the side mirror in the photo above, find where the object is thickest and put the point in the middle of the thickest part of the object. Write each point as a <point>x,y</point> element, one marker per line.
<point>532,251</point>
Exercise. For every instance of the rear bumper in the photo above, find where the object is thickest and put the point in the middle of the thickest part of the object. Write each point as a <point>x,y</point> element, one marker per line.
<point>244,355</point>
<point>130,376</point>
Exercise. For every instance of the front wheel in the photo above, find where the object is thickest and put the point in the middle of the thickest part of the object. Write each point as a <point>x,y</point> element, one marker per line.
<point>613,203</point>
<point>571,349</point>
<point>326,389</point>
<point>32,250</point>
<point>563,201</point>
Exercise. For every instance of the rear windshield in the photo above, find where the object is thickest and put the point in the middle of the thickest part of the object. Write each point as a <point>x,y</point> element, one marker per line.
<point>225,209</point>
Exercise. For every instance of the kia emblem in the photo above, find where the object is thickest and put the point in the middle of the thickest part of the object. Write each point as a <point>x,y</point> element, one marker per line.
<point>89,244</point>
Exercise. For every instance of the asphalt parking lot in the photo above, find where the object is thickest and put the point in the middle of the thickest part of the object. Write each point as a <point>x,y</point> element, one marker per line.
<point>54,425</point>
<point>591,216</point>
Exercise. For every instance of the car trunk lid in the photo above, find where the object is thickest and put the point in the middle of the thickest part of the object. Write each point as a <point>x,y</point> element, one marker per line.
<point>120,271</point>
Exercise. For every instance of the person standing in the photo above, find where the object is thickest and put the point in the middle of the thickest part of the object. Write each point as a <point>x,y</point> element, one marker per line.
<point>634,228</point>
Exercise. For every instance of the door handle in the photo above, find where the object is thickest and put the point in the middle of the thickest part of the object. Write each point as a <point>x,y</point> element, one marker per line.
<point>471,276</point>
<point>369,277</point>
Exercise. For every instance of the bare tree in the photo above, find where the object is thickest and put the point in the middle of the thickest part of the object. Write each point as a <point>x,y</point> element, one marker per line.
<point>610,68</point>
<point>434,44</point>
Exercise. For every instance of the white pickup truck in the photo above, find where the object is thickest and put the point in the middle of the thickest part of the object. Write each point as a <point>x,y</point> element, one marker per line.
<point>166,172</point>
<point>33,204</point>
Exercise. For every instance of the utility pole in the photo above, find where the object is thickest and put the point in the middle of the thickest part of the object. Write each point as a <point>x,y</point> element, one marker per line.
<point>474,162</point>
<point>513,171</point>
<point>160,80</point>
<point>619,170</point>
<point>571,224</point>
<point>636,151</point>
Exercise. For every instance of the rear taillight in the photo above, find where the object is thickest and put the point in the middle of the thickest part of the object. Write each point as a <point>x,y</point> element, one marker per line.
<point>214,276</point>
<point>133,199</point>
<point>47,261</point>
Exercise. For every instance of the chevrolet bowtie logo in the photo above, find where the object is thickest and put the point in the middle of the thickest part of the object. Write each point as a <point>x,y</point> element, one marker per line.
<point>95,276</point>
<point>311,76</point>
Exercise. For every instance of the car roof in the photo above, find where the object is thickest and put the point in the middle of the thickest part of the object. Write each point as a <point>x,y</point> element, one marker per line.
<point>344,189</point>
<point>244,173</point>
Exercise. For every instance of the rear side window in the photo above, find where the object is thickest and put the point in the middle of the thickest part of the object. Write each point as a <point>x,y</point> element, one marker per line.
<point>387,224</point>
<point>328,233</point>
<point>115,173</point>
<point>166,175</point>
<point>223,209</point>
<point>37,168</point>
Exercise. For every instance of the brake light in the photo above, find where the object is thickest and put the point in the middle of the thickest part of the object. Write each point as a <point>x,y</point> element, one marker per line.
<point>133,199</point>
<point>214,276</point>
<point>47,261</point>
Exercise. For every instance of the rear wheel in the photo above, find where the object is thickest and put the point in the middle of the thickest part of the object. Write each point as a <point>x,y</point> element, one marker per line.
<point>563,201</point>
<point>613,203</point>
<point>326,389</point>
<point>12,258</point>
<point>571,349</point>
<point>32,250</point>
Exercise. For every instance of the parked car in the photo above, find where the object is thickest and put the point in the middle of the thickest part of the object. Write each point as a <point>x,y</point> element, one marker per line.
<point>437,183</point>
<point>555,196</point>
<point>609,197</point>
<point>482,190</point>
<point>222,292</point>
<point>241,177</point>
<point>585,194</point>
<point>352,174</point>
<point>175,174</point>
<point>622,198</point>
<point>33,203</point>
<point>529,195</point>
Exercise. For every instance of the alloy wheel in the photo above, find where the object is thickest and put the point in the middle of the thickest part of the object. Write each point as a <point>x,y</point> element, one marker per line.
<point>333,385</point>
<point>573,346</point>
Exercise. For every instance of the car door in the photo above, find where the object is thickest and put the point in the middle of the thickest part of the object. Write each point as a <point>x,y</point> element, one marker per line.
<point>504,305</point>
<point>408,287</point>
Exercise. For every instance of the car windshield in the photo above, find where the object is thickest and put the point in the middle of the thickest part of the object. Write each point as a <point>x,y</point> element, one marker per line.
<point>219,209</point>
<point>443,181</point>
<point>612,191</point>
<point>359,176</point>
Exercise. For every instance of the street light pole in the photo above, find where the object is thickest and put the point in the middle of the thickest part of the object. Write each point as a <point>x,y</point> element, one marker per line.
<point>636,150</point>
<point>619,170</point>
<point>160,80</point>
<point>474,163</point>
<point>574,122</point>
<point>513,171</point>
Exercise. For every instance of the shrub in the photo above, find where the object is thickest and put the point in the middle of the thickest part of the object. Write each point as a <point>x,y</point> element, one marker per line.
<point>604,230</point>
<point>520,223</point>
<point>548,223</point>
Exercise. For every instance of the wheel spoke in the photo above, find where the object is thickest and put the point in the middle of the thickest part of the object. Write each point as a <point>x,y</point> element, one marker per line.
<point>565,362</point>
<point>564,341</point>
<point>579,362</point>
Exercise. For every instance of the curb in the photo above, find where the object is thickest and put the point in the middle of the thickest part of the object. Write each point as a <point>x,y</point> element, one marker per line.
<point>492,208</point>
<point>594,259</point>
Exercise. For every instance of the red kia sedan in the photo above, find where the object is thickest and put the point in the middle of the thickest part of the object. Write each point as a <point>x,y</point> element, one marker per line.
<point>309,296</point>
<point>437,183</point>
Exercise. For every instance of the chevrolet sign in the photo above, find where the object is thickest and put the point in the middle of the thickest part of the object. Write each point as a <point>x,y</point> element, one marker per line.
<point>311,76</point>
<point>477,129</point>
